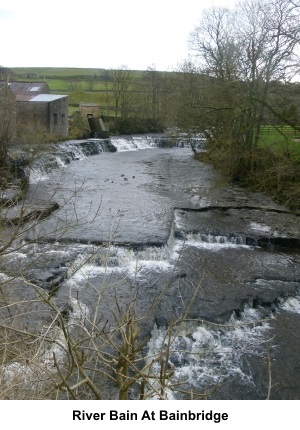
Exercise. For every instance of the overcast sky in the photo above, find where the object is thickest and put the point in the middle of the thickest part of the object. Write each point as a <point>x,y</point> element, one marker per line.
<point>97,33</point>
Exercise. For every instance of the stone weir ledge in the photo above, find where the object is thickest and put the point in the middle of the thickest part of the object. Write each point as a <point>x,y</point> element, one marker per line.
<point>13,208</point>
<point>14,211</point>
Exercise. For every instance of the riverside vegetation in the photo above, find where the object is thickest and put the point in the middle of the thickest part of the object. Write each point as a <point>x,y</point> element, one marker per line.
<point>240,93</point>
<point>245,105</point>
<point>56,344</point>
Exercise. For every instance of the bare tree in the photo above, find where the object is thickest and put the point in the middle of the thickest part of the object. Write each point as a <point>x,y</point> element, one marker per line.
<point>121,86</point>
<point>7,121</point>
<point>244,51</point>
<point>56,347</point>
<point>73,84</point>
<point>214,44</point>
<point>153,84</point>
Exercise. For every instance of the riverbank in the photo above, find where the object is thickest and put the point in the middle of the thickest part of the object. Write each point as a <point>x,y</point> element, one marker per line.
<point>276,174</point>
<point>151,241</point>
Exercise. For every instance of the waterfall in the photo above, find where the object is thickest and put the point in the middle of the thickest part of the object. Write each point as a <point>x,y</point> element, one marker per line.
<point>64,153</point>
<point>204,356</point>
<point>213,241</point>
<point>134,143</point>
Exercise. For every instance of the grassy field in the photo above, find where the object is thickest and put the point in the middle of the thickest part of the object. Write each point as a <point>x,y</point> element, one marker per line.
<point>280,130</point>
<point>95,86</point>
<point>81,85</point>
<point>283,139</point>
<point>56,72</point>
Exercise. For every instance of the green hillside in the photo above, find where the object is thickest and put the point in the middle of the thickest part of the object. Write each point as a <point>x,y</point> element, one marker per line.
<point>81,85</point>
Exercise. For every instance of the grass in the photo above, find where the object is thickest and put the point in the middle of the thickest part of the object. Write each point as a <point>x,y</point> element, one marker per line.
<point>38,74</point>
<point>281,142</point>
<point>279,130</point>
<point>76,97</point>
<point>94,86</point>
<point>56,72</point>
<point>81,85</point>
<point>56,85</point>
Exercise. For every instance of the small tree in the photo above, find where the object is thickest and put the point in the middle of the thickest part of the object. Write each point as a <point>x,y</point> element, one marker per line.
<point>121,83</point>
<point>7,121</point>
<point>245,51</point>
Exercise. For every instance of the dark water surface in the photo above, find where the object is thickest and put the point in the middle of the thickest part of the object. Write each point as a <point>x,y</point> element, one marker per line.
<point>219,254</point>
<point>130,194</point>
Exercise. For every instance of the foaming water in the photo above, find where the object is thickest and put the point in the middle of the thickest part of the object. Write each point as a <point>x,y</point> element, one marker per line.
<point>37,175</point>
<point>98,261</point>
<point>76,150</point>
<point>203,357</point>
<point>133,143</point>
<point>211,242</point>
<point>260,227</point>
<point>32,375</point>
<point>292,304</point>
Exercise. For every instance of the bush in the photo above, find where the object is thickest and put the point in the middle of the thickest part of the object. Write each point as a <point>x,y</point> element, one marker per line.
<point>274,172</point>
<point>137,126</point>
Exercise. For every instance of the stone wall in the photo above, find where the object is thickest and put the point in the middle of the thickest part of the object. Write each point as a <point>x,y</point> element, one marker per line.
<point>33,116</point>
<point>58,116</point>
<point>49,116</point>
<point>87,109</point>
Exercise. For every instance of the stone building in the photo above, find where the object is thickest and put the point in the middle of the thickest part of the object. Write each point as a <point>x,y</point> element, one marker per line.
<point>91,114</point>
<point>48,112</point>
<point>89,110</point>
<point>24,91</point>
<point>37,109</point>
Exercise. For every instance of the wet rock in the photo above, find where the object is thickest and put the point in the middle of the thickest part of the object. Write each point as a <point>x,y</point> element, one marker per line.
<point>217,276</point>
<point>66,310</point>
<point>22,213</point>
<point>255,227</point>
<point>161,322</point>
<point>10,195</point>
<point>47,279</point>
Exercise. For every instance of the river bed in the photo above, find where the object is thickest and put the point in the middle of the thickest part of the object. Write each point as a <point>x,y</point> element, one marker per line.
<point>154,227</point>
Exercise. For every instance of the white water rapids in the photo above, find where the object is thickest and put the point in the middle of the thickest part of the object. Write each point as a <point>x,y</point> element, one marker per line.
<point>137,189</point>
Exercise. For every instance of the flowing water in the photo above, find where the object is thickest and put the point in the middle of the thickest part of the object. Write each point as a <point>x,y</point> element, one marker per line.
<point>147,222</point>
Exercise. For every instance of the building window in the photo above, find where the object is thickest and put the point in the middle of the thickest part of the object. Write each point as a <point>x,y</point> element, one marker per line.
<point>63,118</point>
<point>55,118</point>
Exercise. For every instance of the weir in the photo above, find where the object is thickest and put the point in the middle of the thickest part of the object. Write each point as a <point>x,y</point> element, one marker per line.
<point>149,222</point>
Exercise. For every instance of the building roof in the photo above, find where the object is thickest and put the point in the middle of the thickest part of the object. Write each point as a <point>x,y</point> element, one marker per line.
<point>25,91</point>
<point>46,97</point>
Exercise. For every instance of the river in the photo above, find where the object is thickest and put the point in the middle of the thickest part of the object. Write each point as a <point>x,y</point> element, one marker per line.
<point>218,263</point>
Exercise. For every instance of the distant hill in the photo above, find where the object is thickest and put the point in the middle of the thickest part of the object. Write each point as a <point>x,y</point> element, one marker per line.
<point>6,73</point>
<point>63,73</point>
<point>82,85</point>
